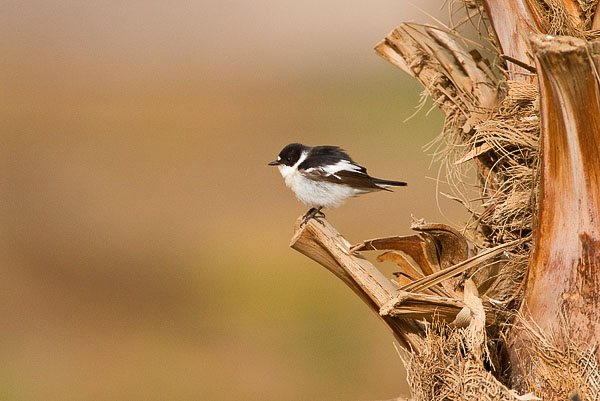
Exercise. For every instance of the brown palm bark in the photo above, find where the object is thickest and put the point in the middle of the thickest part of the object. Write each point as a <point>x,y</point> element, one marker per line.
<point>563,286</point>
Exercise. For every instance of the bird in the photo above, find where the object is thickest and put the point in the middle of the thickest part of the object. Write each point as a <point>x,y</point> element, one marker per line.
<point>324,177</point>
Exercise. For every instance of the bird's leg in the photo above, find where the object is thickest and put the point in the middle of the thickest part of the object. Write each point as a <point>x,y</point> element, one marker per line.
<point>319,213</point>
<point>310,211</point>
<point>315,214</point>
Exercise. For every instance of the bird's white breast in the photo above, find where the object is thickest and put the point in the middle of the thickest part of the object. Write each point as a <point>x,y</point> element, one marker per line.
<point>315,193</point>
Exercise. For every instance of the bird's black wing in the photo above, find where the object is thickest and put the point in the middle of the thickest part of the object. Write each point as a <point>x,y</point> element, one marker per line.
<point>356,180</point>
<point>332,164</point>
<point>341,171</point>
<point>320,156</point>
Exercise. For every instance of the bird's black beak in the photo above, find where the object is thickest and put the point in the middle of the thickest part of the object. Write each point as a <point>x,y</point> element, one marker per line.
<point>275,163</point>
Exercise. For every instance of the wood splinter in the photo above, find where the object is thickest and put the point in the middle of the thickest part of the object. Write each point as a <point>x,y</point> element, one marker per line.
<point>325,245</point>
<point>402,311</point>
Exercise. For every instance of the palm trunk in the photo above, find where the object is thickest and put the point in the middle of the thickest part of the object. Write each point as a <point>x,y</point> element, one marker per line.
<point>514,305</point>
<point>563,287</point>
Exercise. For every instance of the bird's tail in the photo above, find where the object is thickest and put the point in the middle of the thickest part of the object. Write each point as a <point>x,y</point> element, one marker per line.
<point>389,183</point>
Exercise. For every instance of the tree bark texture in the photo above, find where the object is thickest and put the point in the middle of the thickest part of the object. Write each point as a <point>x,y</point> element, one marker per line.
<point>564,271</point>
<point>565,268</point>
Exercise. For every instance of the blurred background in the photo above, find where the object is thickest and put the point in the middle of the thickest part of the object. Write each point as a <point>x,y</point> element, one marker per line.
<point>144,240</point>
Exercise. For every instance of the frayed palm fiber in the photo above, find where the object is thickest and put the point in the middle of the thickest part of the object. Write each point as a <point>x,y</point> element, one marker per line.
<point>502,144</point>
<point>562,364</point>
<point>447,369</point>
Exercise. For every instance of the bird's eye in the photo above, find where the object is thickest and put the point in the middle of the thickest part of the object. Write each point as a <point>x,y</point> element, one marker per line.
<point>289,159</point>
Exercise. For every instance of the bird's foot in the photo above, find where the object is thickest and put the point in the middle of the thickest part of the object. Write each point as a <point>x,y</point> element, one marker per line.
<point>314,214</point>
<point>310,211</point>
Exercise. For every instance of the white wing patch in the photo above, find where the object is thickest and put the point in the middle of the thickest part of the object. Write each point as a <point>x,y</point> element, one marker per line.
<point>332,169</point>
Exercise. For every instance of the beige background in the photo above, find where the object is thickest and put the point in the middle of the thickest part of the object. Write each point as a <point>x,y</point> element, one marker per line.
<point>144,240</point>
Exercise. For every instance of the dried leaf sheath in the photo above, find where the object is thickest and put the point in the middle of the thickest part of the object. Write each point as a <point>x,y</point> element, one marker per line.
<point>564,274</point>
<point>329,248</point>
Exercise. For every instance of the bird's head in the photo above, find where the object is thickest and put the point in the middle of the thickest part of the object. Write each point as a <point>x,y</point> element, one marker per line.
<point>289,155</point>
